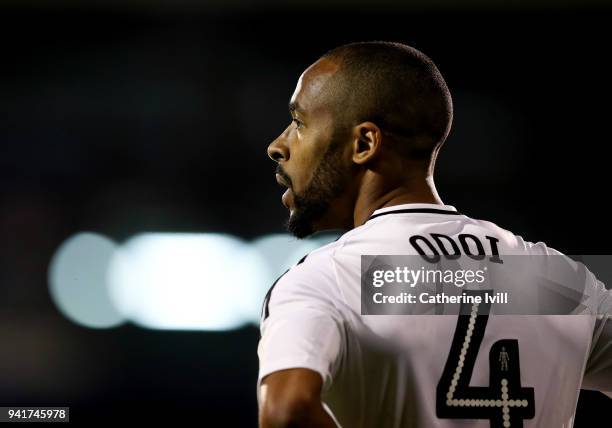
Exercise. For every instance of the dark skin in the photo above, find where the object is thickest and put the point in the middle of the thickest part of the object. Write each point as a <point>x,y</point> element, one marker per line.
<point>379,178</point>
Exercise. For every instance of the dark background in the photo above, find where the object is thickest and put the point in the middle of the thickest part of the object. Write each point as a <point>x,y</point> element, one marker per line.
<point>156,117</point>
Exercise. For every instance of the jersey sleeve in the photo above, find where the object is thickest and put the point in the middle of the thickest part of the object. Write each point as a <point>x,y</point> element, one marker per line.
<point>598,371</point>
<point>598,302</point>
<point>301,327</point>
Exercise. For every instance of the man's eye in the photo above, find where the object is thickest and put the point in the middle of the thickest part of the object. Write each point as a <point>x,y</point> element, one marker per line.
<point>298,123</point>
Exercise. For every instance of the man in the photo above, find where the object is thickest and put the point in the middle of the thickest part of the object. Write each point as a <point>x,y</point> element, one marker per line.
<point>368,120</point>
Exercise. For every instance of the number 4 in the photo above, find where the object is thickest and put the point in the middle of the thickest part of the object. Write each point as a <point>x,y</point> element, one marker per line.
<point>504,402</point>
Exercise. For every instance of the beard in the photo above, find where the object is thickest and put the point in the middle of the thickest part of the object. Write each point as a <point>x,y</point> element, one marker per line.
<point>329,180</point>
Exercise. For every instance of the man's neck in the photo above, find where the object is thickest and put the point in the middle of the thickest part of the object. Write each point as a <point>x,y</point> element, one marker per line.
<point>367,203</point>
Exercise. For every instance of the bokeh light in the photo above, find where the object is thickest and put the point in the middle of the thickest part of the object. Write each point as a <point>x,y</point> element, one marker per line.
<point>186,281</point>
<point>175,281</point>
<point>77,280</point>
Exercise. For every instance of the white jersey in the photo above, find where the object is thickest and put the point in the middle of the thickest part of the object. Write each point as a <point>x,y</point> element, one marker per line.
<point>430,370</point>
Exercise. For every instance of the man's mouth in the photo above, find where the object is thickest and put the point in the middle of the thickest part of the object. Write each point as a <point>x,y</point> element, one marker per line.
<point>280,180</point>
<point>288,195</point>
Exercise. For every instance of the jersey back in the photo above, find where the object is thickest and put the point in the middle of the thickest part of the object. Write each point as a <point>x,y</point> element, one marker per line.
<point>475,369</point>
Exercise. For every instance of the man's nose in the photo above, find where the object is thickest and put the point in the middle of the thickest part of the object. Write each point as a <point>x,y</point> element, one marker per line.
<point>277,150</point>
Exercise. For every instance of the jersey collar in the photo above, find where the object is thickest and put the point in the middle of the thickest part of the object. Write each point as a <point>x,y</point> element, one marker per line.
<point>415,208</point>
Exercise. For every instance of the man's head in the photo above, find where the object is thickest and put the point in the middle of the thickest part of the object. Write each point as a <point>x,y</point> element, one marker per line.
<point>366,117</point>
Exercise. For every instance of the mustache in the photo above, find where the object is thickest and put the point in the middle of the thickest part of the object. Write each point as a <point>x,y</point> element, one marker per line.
<point>280,171</point>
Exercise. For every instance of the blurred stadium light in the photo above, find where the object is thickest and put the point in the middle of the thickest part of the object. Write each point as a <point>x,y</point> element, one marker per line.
<point>173,281</point>
<point>77,280</point>
<point>186,281</point>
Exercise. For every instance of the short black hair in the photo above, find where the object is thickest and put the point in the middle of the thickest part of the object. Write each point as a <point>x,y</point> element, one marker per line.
<point>398,88</point>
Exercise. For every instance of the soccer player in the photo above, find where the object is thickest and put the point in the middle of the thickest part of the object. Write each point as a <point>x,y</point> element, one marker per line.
<point>368,120</point>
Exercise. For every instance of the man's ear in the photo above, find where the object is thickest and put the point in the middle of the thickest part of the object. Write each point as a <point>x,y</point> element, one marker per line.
<point>367,138</point>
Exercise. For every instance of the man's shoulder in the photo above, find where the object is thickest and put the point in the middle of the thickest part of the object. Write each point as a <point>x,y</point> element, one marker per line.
<point>316,264</point>
<point>516,243</point>
<point>311,277</point>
